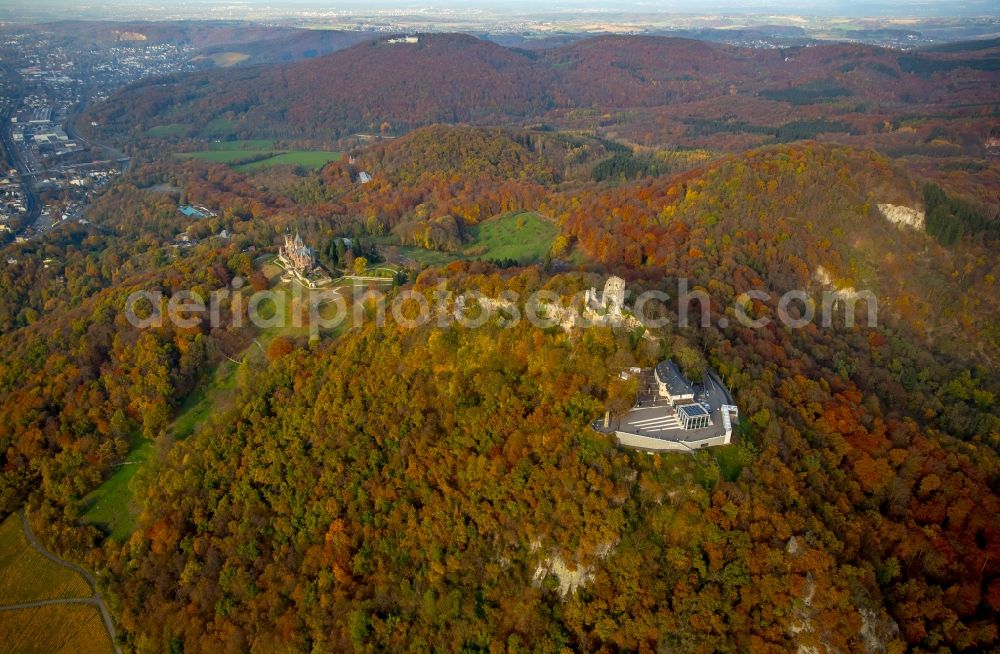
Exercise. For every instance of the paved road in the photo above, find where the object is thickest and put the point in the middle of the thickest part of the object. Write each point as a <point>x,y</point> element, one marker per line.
<point>95,600</point>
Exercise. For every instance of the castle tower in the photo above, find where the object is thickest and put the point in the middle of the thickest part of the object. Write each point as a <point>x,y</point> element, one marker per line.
<point>296,254</point>
<point>614,294</point>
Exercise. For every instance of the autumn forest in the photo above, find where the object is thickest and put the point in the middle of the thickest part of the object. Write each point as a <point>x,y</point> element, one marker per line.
<point>379,488</point>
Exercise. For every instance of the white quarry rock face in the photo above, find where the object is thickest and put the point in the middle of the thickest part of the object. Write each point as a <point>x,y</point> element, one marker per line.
<point>569,580</point>
<point>822,276</point>
<point>903,216</point>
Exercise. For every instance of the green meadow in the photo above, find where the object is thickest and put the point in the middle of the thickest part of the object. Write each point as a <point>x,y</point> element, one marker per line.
<point>112,506</point>
<point>109,507</point>
<point>262,155</point>
<point>309,159</point>
<point>522,237</point>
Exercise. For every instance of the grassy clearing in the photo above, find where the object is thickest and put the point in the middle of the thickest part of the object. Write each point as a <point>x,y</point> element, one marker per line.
<point>219,127</point>
<point>226,156</point>
<point>206,399</point>
<point>109,507</point>
<point>240,151</point>
<point>266,145</point>
<point>669,470</point>
<point>287,327</point>
<point>731,460</point>
<point>428,257</point>
<point>27,576</point>
<point>524,237</point>
<point>112,506</point>
<point>310,159</point>
<point>164,131</point>
<point>67,628</point>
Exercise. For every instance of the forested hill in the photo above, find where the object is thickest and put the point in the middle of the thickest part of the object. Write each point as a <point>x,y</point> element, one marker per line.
<point>429,489</point>
<point>445,78</point>
<point>457,151</point>
<point>381,86</point>
<point>467,153</point>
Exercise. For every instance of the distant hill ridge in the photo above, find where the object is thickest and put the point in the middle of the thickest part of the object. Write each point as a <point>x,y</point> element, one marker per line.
<point>450,78</point>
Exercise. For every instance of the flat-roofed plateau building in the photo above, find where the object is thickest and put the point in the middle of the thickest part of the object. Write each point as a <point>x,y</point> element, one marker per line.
<point>673,414</point>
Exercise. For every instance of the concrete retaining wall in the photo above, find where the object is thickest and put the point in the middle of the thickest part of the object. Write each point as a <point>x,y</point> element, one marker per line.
<point>626,439</point>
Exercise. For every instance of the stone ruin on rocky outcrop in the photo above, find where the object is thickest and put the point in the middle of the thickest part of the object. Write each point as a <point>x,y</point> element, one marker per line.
<point>607,308</point>
<point>612,300</point>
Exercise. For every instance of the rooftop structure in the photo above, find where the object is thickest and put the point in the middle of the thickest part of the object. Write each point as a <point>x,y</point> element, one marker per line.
<point>41,115</point>
<point>694,416</point>
<point>190,211</point>
<point>299,263</point>
<point>54,136</point>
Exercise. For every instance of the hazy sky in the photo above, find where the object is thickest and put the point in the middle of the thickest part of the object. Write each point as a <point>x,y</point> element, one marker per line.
<point>154,9</point>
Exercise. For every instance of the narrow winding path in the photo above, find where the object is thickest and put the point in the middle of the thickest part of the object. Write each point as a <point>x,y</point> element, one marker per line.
<point>94,600</point>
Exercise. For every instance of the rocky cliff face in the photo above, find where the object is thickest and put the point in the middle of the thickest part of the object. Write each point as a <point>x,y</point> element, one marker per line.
<point>903,216</point>
<point>130,36</point>
<point>993,140</point>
